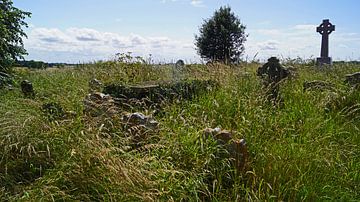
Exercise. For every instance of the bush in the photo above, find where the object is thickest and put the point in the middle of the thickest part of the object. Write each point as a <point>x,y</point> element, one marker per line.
<point>221,37</point>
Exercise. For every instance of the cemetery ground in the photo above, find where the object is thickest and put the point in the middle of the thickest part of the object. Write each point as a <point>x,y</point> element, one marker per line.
<point>306,148</point>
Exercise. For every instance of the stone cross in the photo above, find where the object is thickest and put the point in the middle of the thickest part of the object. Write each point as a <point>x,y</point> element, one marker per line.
<point>325,29</point>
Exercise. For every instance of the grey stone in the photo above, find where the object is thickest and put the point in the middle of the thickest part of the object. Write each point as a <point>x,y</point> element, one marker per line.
<point>139,119</point>
<point>27,89</point>
<point>352,79</point>
<point>325,30</point>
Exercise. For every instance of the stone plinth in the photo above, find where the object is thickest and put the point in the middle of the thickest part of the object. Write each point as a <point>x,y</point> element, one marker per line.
<point>324,60</point>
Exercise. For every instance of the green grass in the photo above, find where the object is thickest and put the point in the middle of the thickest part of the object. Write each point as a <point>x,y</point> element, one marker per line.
<point>307,150</point>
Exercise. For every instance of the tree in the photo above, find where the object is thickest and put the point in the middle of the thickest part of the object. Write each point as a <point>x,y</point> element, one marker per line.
<point>221,37</point>
<point>11,33</point>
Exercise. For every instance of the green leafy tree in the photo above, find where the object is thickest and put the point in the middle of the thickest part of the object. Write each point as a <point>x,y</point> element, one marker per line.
<point>221,37</point>
<point>11,33</point>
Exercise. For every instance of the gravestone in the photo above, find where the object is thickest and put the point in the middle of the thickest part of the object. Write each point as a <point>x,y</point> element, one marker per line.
<point>27,89</point>
<point>178,70</point>
<point>180,64</point>
<point>325,30</point>
<point>272,73</point>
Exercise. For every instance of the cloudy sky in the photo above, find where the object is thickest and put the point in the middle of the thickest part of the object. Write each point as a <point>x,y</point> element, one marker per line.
<point>87,30</point>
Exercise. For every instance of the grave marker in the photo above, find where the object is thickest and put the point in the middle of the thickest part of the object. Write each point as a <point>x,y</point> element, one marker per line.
<point>325,30</point>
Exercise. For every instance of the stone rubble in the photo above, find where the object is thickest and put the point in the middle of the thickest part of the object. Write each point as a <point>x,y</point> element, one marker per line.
<point>236,148</point>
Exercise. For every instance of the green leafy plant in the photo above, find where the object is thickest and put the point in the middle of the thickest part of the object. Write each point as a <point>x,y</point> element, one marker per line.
<point>11,33</point>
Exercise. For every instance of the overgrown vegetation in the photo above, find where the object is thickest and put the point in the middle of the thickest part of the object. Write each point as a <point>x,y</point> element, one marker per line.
<point>304,150</point>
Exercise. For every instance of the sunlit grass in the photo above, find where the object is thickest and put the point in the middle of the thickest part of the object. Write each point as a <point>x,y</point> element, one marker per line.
<point>301,151</point>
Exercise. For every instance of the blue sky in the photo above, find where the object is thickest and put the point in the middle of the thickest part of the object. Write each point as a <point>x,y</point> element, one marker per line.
<point>88,30</point>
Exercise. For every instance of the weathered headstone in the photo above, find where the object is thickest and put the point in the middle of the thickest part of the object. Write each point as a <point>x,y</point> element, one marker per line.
<point>180,64</point>
<point>272,73</point>
<point>27,89</point>
<point>178,70</point>
<point>325,30</point>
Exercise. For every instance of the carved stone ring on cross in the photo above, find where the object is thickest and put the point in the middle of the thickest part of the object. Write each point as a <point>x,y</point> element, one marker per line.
<point>325,28</point>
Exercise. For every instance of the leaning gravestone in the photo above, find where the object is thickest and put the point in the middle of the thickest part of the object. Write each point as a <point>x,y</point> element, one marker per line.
<point>325,30</point>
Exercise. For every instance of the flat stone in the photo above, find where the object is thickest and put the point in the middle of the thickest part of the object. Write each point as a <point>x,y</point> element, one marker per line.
<point>353,79</point>
<point>157,93</point>
<point>318,85</point>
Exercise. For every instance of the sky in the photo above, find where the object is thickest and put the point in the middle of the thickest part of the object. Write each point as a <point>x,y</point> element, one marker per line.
<point>78,31</point>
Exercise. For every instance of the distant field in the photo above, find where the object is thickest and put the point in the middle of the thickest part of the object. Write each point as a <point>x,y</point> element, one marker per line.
<point>309,149</point>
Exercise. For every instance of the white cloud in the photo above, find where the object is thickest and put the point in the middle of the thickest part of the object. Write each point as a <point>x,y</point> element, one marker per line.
<point>89,44</point>
<point>269,32</point>
<point>270,45</point>
<point>197,3</point>
<point>305,27</point>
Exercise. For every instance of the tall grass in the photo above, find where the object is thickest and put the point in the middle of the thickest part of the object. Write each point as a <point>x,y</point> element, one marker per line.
<point>299,151</point>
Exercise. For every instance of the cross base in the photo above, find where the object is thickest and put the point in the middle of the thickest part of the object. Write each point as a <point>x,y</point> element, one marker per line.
<point>324,60</point>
